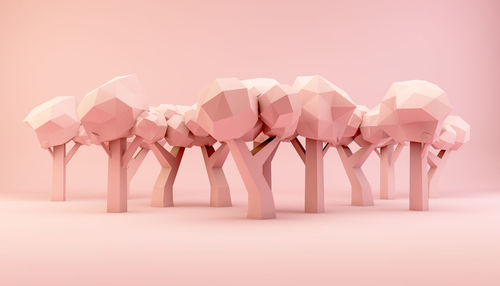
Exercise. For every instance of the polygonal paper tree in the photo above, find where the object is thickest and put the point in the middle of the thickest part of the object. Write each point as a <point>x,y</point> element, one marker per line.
<point>109,114</point>
<point>228,111</point>
<point>213,158</point>
<point>176,135</point>
<point>373,133</point>
<point>414,111</point>
<point>454,133</point>
<point>55,124</point>
<point>326,110</point>
<point>279,107</point>
<point>361,194</point>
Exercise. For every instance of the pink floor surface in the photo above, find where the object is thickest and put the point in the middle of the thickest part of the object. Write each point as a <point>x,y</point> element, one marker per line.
<point>77,243</point>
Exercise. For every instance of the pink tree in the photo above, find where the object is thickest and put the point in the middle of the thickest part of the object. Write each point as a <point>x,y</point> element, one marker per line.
<point>55,124</point>
<point>213,158</point>
<point>453,135</point>
<point>109,113</point>
<point>361,194</point>
<point>372,132</point>
<point>228,111</point>
<point>414,111</point>
<point>178,136</point>
<point>326,110</point>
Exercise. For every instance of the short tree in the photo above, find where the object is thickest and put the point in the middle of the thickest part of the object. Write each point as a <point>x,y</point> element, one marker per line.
<point>109,113</point>
<point>414,111</point>
<point>372,132</point>
<point>55,123</point>
<point>228,111</point>
<point>326,110</point>
<point>454,133</point>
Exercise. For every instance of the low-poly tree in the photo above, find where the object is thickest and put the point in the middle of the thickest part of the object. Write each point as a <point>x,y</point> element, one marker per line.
<point>109,113</point>
<point>326,110</point>
<point>279,111</point>
<point>372,132</point>
<point>55,123</point>
<point>213,158</point>
<point>228,111</point>
<point>361,194</point>
<point>414,111</point>
<point>178,136</point>
<point>454,134</point>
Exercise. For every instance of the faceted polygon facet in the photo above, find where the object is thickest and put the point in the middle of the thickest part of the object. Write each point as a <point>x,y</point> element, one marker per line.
<point>109,112</point>
<point>55,122</point>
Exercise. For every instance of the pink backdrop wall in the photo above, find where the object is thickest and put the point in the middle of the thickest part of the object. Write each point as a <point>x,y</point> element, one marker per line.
<point>53,48</point>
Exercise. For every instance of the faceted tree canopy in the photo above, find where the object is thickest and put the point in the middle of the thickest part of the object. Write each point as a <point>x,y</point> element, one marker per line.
<point>226,109</point>
<point>352,128</point>
<point>326,109</point>
<point>446,139</point>
<point>370,128</point>
<point>55,122</point>
<point>177,132</point>
<point>414,111</point>
<point>280,111</point>
<point>260,85</point>
<point>109,112</point>
<point>462,130</point>
<point>151,126</point>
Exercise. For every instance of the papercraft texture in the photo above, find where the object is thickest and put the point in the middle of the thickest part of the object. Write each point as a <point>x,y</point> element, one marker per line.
<point>313,115</point>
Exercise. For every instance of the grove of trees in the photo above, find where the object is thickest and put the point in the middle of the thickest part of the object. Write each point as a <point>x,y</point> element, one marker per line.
<point>312,114</point>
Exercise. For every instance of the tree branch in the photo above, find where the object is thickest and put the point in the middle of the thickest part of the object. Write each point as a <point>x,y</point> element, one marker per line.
<point>131,148</point>
<point>359,158</point>
<point>265,149</point>
<point>105,146</point>
<point>299,148</point>
<point>71,152</point>
<point>396,153</point>
<point>164,157</point>
<point>136,162</point>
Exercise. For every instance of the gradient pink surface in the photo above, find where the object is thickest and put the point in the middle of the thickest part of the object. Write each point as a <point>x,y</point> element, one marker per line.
<point>60,48</point>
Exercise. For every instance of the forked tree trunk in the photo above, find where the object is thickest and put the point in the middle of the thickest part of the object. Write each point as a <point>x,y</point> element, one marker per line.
<point>267,167</point>
<point>220,195</point>
<point>250,165</point>
<point>59,161</point>
<point>163,189</point>
<point>388,157</point>
<point>119,156</point>
<point>361,193</point>
<point>437,164</point>
<point>419,193</point>
<point>134,165</point>
<point>312,156</point>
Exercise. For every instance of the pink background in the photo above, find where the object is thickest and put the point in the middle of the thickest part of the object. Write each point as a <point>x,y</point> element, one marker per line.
<point>53,48</point>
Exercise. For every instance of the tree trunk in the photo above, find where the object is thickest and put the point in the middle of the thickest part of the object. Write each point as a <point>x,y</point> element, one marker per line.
<point>117,177</point>
<point>163,189</point>
<point>361,193</point>
<point>419,195</point>
<point>260,197</point>
<point>434,173</point>
<point>220,195</point>
<point>59,173</point>
<point>387,177</point>
<point>314,181</point>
